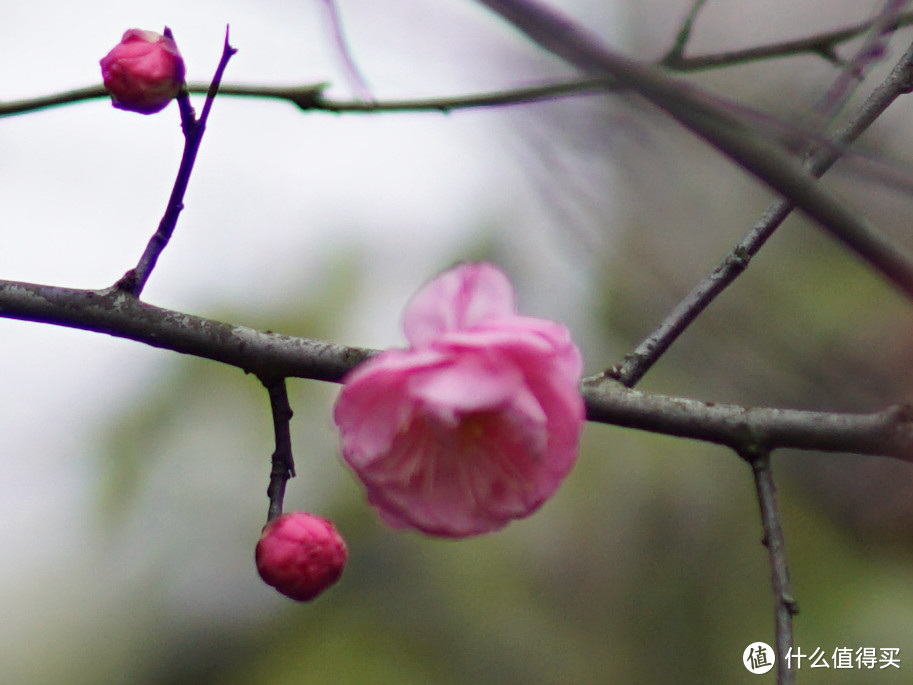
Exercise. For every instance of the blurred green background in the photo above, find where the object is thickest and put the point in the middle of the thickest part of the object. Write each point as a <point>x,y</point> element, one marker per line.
<point>647,565</point>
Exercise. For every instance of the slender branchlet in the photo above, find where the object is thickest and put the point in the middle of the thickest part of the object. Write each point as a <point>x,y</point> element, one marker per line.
<point>283,464</point>
<point>350,68</point>
<point>716,124</point>
<point>785,605</point>
<point>135,280</point>
<point>823,156</point>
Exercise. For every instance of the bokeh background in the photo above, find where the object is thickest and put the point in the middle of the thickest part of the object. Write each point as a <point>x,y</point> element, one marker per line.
<point>132,481</point>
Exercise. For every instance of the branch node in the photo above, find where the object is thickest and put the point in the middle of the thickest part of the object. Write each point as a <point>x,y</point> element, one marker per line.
<point>829,53</point>
<point>676,54</point>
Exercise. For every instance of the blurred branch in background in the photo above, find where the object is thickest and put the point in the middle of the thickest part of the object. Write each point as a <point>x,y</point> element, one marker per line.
<point>353,74</point>
<point>310,96</point>
<point>717,125</point>
<point>639,505</point>
<point>819,159</point>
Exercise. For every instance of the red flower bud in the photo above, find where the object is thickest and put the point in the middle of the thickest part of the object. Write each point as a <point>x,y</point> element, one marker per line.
<point>143,72</point>
<point>300,555</point>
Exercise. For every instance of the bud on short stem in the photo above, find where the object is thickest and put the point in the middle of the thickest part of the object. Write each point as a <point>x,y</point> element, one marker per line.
<point>300,555</point>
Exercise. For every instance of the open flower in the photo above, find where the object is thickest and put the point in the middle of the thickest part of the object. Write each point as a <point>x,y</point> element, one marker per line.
<point>477,422</point>
<point>143,72</point>
<point>300,555</point>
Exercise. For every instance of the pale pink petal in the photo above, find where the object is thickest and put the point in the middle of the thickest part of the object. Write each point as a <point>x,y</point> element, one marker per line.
<point>374,405</point>
<point>542,350</point>
<point>469,481</point>
<point>474,426</point>
<point>460,298</point>
<point>469,382</point>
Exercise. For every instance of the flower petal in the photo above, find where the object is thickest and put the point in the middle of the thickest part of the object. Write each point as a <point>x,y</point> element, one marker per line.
<point>460,298</point>
<point>492,469</point>
<point>477,423</point>
<point>374,405</point>
<point>471,381</point>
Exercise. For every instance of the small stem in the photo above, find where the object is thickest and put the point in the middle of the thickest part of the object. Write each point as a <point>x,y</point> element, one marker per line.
<point>283,463</point>
<point>785,605</point>
<point>135,280</point>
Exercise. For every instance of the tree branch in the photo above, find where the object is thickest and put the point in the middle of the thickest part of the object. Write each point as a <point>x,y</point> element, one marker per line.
<point>785,605</point>
<point>822,44</point>
<point>353,74</point>
<point>271,355</point>
<point>676,53</point>
<point>851,74</point>
<point>638,362</point>
<point>117,313</point>
<point>309,97</point>
<point>885,433</point>
<point>706,118</point>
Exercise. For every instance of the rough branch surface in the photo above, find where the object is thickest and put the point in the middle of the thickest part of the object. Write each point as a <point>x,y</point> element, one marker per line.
<point>267,354</point>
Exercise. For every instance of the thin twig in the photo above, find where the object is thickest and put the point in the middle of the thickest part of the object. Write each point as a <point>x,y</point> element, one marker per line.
<point>283,463</point>
<point>637,363</point>
<point>822,44</point>
<point>872,50</point>
<point>135,280</point>
<point>785,605</point>
<point>676,54</point>
<point>350,67</point>
<point>266,354</point>
<point>308,97</point>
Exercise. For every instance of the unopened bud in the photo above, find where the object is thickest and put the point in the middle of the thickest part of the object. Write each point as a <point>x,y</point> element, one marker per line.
<point>300,555</point>
<point>143,72</point>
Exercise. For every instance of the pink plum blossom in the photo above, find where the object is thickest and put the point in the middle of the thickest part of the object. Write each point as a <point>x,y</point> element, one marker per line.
<point>143,72</point>
<point>300,555</point>
<point>477,422</point>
